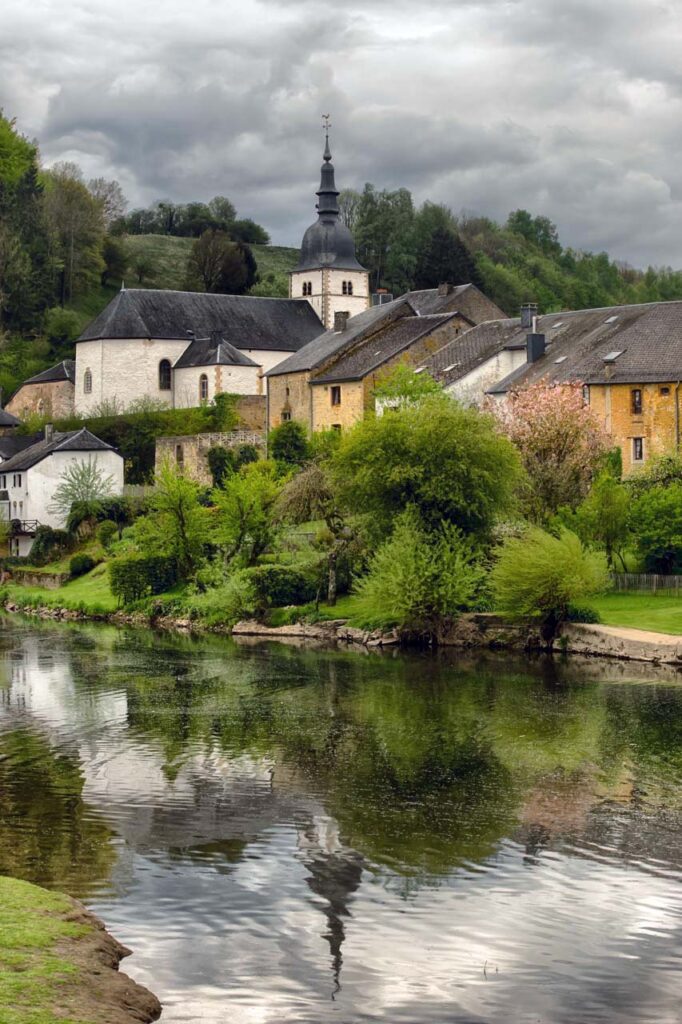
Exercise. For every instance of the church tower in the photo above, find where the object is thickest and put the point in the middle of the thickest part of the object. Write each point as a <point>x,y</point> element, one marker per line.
<point>328,274</point>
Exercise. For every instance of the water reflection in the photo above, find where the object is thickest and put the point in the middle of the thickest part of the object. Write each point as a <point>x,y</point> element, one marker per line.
<point>287,834</point>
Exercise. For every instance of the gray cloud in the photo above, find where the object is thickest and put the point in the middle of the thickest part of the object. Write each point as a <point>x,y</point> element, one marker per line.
<point>568,107</point>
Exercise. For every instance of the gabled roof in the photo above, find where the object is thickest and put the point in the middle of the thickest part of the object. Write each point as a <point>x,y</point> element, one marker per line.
<point>464,353</point>
<point>648,337</point>
<point>244,321</point>
<point>71,441</point>
<point>331,343</point>
<point>395,337</point>
<point>213,351</point>
<point>8,420</point>
<point>66,370</point>
<point>468,300</point>
<point>15,443</point>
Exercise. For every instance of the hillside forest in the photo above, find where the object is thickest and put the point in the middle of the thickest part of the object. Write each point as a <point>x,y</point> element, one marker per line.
<point>67,244</point>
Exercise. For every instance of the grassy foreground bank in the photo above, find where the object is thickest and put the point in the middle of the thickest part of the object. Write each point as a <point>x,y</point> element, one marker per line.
<point>58,966</point>
<point>657,613</point>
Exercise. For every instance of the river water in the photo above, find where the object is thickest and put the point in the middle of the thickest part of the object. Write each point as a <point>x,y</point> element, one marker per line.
<point>295,835</point>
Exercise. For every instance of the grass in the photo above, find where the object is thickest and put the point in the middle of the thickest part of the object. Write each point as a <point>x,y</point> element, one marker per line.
<point>660,614</point>
<point>31,973</point>
<point>349,606</point>
<point>90,593</point>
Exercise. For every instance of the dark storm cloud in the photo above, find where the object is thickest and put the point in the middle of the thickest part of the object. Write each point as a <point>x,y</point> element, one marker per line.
<point>568,107</point>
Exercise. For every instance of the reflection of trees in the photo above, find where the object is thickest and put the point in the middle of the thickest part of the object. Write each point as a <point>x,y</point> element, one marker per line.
<point>47,832</point>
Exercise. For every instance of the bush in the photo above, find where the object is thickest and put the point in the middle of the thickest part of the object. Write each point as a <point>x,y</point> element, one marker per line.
<point>276,585</point>
<point>582,613</point>
<point>221,463</point>
<point>81,564</point>
<point>224,605</point>
<point>420,580</point>
<point>538,574</point>
<point>244,454</point>
<point>133,578</point>
<point>106,532</point>
<point>49,544</point>
<point>289,444</point>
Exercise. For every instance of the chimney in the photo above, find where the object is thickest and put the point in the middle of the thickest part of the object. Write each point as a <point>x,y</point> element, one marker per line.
<point>529,312</point>
<point>49,432</point>
<point>535,347</point>
<point>444,289</point>
<point>340,320</point>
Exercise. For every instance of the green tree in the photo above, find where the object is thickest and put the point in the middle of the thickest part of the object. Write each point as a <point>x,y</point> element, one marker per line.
<point>177,519</point>
<point>83,484</point>
<point>446,460</point>
<point>403,386</point>
<point>245,524</point>
<point>143,266</point>
<point>221,464</point>
<point>656,525</point>
<point>115,255</point>
<point>539,574</point>
<point>443,257</point>
<point>109,195</point>
<point>288,443</point>
<point>218,264</point>
<point>385,237</point>
<point>603,518</point>
<point>76,223</point>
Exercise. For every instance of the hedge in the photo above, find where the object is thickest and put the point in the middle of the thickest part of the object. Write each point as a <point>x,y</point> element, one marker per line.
<point>278,585</point>
<point>134,577</point>
<point>80,564</point>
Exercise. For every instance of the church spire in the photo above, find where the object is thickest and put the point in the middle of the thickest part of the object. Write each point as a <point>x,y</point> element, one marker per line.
<point>327,207</point>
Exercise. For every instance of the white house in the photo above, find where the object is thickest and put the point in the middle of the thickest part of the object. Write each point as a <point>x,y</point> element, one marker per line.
<point>30,478</point>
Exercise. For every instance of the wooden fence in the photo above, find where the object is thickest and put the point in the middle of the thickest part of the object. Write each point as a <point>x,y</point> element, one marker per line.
<point>647,583</point>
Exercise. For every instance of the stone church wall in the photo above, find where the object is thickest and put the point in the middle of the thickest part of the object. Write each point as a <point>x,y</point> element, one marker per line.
<point>53,399</point>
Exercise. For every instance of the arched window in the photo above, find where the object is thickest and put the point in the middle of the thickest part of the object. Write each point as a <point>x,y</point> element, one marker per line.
<point>87,382</point>
<point>165,375</point>
<point>203,388</point>
<point>350,287</point>
<point>344,287</point>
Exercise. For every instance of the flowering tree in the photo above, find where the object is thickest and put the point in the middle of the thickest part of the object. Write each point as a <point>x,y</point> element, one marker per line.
<point>561,442</point>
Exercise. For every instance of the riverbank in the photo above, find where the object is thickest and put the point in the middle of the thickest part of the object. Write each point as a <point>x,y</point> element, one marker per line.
<point>58,964</point>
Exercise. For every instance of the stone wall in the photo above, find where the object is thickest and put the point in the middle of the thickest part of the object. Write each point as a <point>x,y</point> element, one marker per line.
<point>657,422</point>
<point>190,452</point>
<point>251,412</point>
<point>53,399</point>
<point>289,398</point>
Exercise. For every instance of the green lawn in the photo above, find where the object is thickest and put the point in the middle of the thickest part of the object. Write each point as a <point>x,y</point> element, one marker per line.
<point>91,593</point>
<point>32,977</point>
<point>641,611</point>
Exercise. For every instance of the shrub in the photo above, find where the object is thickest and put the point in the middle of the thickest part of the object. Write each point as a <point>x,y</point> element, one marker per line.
<point>276,585</point>
<point>244,454</point>
<point>221,463</point>
<point>582,613</point>
<point>224,605</point>
<point>289,444</point>
<point>49,544</point>
<point>106,532</point>
<point>133,578</point>
<point>538,574</point>
<point>81,564</point>
<point>420,580</point>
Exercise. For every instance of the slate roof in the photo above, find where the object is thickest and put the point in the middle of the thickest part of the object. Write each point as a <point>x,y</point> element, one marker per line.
<point>387,343</point>
<point>71,441</point>
<point>212,351</point>
<point>331,343</point>
<point>467,351</point>
<point>66,370</point>
<point>14,444</point>
<point>244,321</point>
<point>8,420</point>
<point>648,336</point>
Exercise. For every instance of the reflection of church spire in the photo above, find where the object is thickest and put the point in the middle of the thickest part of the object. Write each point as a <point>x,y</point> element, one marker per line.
<point>334,876</point>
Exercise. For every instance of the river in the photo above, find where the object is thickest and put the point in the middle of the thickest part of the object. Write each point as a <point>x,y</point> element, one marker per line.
<point>296,835</point>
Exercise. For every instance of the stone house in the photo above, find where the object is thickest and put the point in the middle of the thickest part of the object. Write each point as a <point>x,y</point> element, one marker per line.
<point>49,394</point>
<point>190,452</point>
<point>329,382</point>
<point>30,478</point>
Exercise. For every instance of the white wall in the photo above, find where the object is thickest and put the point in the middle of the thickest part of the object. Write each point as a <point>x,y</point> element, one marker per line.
<point>327,297</point>
<point>31,499</point>
<point>471,388</point>
<point>237,380</point>
<point>123,370</point>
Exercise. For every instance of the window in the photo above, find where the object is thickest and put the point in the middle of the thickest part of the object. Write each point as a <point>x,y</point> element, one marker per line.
<point>350,287</point>
<point>287,392</point>
<point>307,287</point>
<point>203,388</point>
<point>16,480</point>
<point>636,396</point>
<point>638,449</point>
<point>179,455</point>
<point>286,416</point>
<point>165,375</point>
<point>336,395</point>
<point>336,426</point>
<point>347,287</point>
<point>665,391</point>
<point>586,394</point>
<point>87,382</point>
<point>4,483</point>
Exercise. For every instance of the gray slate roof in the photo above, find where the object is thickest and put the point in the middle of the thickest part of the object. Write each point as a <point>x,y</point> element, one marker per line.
<point>14,444</point>
<point>66,370</point>
<point>389,342</point>
<point>71,441</point>
<point>244,321</point>
<point>212,351</point>
<point>331,343</point>
<point>8,420</point>
<point>648,336</point>
<point>464,353</point>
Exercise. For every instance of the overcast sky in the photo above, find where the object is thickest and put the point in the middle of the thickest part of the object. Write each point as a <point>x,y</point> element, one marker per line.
<point>570,108</point>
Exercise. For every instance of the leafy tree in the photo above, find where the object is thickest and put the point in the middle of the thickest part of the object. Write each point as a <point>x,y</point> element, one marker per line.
<point>248,232</point>
<point>446,460</point>
<point>603,518</point>
<point>221,464</point>
<point>349,204</point>
<point>217,264</point>
<point>222,210</point>
<point>115,256</point>
<point>176,520</point>
<point>419,580</point>
<point>144,267</point>
<point>76,222</point>
<point>443,257</point>
<point>288,443</point>
<point>384,235</point>
<point>656,525</point>
<point>109,195</point>
<point>403,386</point>
<point>62,326</point>
<point>83,484</point>
<point>539,574</point>
<point>560,441</point>
<point>245,525</point>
